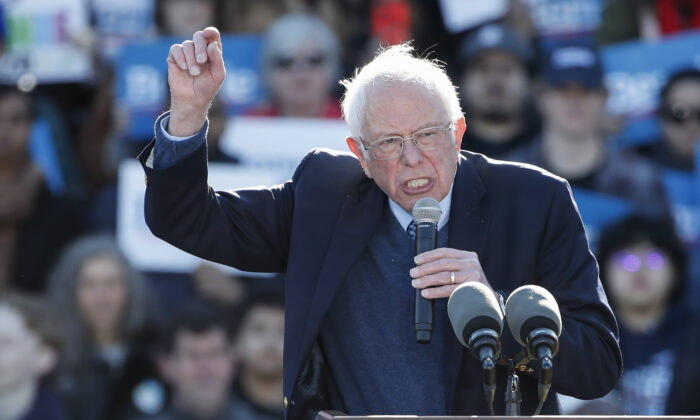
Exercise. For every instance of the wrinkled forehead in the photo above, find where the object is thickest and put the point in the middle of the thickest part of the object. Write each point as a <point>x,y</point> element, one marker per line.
<point>401,106</point>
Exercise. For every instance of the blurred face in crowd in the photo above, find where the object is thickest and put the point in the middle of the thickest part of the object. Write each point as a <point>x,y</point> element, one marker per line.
<point>572,110</point>
<point>23,357</point>
<point>401,109</point>
<point>102,295</point>
<point>681,118</point>
<point>495,86</point>
<point>300,80</point>
<point>185,17</point>
<point>640,277</point>
<point>15,125</point>
<point>200,370</point>
<point>261,341</point>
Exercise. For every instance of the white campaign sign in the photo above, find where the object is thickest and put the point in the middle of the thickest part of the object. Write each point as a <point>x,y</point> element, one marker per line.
<point>460,15</point>
<point>148,253</point>
<point>40,41</point>
<point>280,143</point>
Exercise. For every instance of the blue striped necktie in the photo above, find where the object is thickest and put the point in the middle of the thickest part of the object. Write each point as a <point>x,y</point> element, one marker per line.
<point>411,229</point>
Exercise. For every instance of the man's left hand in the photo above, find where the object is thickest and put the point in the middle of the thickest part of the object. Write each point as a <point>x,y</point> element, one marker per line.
<point>435,271</point>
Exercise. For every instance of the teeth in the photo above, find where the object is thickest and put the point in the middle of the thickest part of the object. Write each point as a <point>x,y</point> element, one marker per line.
<point>415,183</point>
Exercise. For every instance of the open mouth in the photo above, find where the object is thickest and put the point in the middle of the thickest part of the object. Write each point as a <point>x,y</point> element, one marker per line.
<point>417,183</point>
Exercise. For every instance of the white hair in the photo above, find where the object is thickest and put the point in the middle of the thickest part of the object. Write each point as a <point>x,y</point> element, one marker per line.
<point>396,64</point>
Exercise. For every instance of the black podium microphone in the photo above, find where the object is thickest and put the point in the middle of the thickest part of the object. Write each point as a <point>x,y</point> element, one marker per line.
<point>476,317</point>
<point>535,322</point>
<point>426,215</point>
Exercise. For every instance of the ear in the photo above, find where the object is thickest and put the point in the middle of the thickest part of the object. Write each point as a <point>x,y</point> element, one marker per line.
<point>460,129</point>
<point>355,148</point>
<point>45,360</point>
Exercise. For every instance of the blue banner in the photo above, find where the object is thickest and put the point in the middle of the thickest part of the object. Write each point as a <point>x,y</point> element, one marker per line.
<point>565,18</point>
<point>142,80</point>
<point>636,71</point>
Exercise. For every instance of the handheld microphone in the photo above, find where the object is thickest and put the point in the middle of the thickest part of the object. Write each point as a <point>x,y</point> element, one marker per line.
<point>477,320</point>
<point>535,322</point>
<point>426,215</point>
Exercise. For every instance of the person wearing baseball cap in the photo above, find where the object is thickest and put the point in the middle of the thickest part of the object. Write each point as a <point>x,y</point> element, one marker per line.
<point>496,79</point>
<point>571,98</point>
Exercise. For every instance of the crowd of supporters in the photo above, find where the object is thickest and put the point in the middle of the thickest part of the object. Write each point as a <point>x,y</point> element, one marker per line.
<point>88,334</point>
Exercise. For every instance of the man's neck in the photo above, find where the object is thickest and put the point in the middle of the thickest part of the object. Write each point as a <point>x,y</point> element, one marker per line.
<point>15,402</point>
<point>312,109</point>
<point>198,409</point>
<point>572,157</point>
<point>263,391</point>
<point>496,132</point>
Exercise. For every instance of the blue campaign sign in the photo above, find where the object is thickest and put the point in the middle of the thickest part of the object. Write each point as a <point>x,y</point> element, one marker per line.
<point>142,86</point>
<point>683,196</point>
<point>565,18</point>
<point>635,73</point>
<point>598,211</point>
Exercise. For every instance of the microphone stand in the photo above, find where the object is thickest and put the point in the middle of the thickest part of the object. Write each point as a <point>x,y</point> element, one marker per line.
<point>513,395</point>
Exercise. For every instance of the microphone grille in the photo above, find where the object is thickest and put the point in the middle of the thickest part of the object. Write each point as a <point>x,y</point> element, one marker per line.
<point>427,210</point>
<point>529,307</point>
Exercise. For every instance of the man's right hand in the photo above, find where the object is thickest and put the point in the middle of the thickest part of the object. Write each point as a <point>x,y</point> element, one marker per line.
<point>196,72</point>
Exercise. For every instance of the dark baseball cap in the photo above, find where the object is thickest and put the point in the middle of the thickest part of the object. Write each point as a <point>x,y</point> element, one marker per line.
<point>573,63</point>
<point>494,37</point>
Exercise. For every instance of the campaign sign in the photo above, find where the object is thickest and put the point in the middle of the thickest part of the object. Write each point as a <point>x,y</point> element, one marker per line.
<point>145,251</point>
<point>280,143</point>
<point>635,73</point>
<point>565,18</point>
<point>683,198</point>
<point>119,22</point>
<point>39,41</point>
<point>142,80</point>
<point>458,18</point>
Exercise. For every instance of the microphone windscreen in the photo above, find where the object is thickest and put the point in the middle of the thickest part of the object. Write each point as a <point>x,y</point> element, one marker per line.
<point>530,307</point>
<point>427,210</point>
<point>473,306</point>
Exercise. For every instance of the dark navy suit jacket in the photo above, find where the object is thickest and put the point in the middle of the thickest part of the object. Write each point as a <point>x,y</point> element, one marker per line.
<point>521,221</point>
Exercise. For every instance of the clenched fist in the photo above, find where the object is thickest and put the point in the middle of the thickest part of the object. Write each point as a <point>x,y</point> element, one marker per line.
<point>196,72</point>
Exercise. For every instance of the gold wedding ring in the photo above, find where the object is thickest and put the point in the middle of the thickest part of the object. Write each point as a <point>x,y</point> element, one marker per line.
<point>452,277</point>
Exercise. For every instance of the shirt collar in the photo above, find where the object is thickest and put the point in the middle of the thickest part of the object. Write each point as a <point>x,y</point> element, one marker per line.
<point>405,218</point>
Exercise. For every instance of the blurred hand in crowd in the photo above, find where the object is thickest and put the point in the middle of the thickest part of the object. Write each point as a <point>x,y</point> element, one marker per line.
<point>213,284</point>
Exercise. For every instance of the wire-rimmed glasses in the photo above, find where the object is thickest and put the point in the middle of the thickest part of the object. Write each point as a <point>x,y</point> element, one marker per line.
<point>388,148</point>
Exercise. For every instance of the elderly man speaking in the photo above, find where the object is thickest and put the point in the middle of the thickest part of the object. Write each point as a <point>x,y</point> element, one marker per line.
<point>338,230</point>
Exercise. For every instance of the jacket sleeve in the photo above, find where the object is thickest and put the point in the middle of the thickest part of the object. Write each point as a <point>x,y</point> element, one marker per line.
<point>248,229</point>
<point>589,362</point>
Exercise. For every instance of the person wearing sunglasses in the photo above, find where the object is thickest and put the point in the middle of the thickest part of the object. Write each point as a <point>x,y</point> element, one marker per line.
<point>300,69</point>
<point>643,270</point>
<point>679,114</point>
<point>340,230</point>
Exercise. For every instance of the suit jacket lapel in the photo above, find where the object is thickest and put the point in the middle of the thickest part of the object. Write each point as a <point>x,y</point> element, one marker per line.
<point>468,229</point>
<point>357,222</point>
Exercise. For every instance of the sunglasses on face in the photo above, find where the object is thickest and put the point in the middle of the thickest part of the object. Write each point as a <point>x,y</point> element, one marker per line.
<point>287,63</point>
<point>680,113</point>
<point>633,262</point>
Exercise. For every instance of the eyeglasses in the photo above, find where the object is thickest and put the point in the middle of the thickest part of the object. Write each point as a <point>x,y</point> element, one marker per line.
<point>287,63</point>
<point>388,148</point>
<point>633,262</point>
<point>679,113</point>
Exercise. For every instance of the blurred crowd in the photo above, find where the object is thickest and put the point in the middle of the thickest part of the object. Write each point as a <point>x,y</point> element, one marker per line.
<point>87,335</point>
